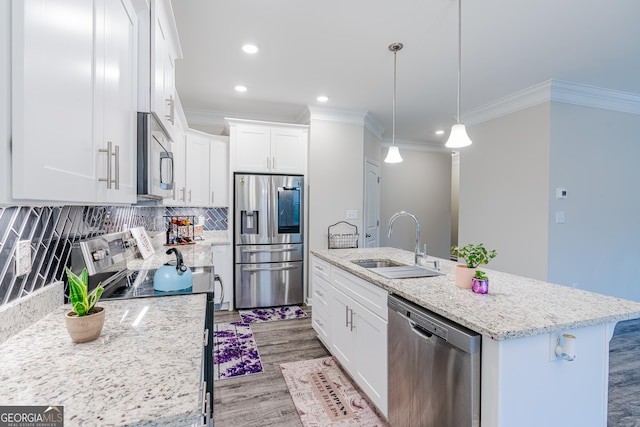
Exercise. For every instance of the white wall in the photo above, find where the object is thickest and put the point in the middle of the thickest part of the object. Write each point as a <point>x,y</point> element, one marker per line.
<point>336,177</point>
<point>5,101</point>
<point>421,185</point>
<point>594,155</point>
<point>504,185</point>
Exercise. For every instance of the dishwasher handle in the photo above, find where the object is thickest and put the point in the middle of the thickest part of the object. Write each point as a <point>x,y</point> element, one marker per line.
<point>423,331</point>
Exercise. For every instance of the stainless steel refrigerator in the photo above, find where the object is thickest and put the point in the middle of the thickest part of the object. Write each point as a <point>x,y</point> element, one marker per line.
<point>268,239</point>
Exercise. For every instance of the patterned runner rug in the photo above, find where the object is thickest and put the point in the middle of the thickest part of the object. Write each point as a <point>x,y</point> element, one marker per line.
<point>234,351</point>
<point>324,395</point>
<point>270,314</point>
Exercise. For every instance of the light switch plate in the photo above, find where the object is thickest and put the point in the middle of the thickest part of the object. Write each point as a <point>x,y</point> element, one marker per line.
<point>23,257</point>
<point>352,214</point>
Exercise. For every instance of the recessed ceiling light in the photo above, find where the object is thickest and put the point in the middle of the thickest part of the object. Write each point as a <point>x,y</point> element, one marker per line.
<point>439,132</point>
<point>250,48</point>
<point>240,88</point>
<point>322,98</point>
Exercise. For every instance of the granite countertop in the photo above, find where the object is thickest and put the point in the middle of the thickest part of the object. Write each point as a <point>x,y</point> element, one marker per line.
<point>515,306</point>
<point>198,254</point>
<point>134,374</point>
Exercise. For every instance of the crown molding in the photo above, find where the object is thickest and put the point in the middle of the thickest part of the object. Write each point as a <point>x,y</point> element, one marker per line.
<point>218,118</point>
<point>416,145</point>
<point>556,91</point>
<point>355,117</point>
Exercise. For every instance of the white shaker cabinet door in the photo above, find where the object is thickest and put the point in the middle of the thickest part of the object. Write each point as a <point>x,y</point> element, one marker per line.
<point>288,151</point>
<point>116,27</point>
<point>54,157</point>
<point>252,148</point>
<point>219,172</point>
<point>197,170</point>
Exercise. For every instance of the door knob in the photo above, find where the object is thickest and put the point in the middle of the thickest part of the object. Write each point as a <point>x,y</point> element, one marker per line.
<point>367,235</point>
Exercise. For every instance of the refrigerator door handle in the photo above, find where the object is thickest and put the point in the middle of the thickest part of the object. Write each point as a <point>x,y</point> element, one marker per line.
<point>256,269</point>
<point>256,251</point>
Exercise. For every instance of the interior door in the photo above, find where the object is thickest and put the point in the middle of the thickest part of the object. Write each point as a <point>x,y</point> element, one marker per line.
<point>372,204</point>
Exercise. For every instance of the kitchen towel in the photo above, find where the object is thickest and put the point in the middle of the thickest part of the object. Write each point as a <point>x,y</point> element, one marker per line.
<point>270,314</point>
<point>234,351</point>
<point>324,395</point>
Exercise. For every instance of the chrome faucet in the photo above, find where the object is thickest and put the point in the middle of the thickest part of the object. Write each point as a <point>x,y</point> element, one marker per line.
<point>418,254</point>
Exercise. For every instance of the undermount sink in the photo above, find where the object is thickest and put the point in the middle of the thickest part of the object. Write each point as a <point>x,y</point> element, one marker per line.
<point>377,263</point>
<point>395,270</point>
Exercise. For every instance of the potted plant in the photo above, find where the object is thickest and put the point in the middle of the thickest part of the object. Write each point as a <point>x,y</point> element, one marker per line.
<point>474,255</point>
<point>480,282</point>
<point>85,320</point>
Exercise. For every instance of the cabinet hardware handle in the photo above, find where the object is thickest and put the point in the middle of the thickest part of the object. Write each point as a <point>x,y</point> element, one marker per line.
<point>171,115</point>
<point>320,294</point>
<point>183,190</point>
<point>204,398</point>
<point>346,312</point>
<point>212,198</point>
<point>107,150</point>
<point>320,323</point>
<point>351,328</point>
<point>206,337</point>
<point>273,162</point>
<point>319,267</point>
<point>189,196</point>
<point>117,166</point>
<point>268,163</point>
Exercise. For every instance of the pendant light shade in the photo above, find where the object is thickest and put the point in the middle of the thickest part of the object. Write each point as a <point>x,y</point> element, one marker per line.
<point>393,155</point>
<point>458,137</point>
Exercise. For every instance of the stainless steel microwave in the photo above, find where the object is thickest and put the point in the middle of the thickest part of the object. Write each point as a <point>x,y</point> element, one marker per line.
<point>155,160</point>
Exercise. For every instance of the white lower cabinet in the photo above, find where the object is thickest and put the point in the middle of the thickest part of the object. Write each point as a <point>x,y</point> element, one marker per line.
<point>223,260</point>
<point>348,318</point>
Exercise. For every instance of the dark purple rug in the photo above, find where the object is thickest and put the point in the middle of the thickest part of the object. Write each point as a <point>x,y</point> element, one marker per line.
<point>234,351</point>
<point>270,314</point>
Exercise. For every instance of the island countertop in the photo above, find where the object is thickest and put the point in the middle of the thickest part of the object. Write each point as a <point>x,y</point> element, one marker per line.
<point>515,306</point>
<point>144,369</point>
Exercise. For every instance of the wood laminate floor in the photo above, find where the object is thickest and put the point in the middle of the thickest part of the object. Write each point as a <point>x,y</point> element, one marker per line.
<point>263,399</point>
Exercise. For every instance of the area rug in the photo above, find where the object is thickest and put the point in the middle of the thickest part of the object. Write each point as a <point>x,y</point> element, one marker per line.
<point>270,314</point>
<point>324,395</point>
<point>234,351</point>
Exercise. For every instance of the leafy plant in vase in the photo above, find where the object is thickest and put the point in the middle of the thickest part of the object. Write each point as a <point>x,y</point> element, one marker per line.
<point>473,255</point>
<point>85,320</point>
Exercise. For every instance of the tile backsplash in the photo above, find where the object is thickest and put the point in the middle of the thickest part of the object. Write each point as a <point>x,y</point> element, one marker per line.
<point>53,230</point>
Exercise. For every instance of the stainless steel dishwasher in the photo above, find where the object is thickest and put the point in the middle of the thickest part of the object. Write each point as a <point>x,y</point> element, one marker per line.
<point>434,369</point>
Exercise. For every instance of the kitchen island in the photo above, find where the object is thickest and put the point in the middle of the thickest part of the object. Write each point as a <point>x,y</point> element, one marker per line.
<point>520,320</point>
<point>144,369</point>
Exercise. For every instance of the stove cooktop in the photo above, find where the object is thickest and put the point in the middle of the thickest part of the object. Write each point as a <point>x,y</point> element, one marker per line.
<point>139,284</point>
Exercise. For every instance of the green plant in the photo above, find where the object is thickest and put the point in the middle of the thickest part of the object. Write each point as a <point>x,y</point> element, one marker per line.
<point>82,301</point>
<point>474,255</point>
<point>481,275</point>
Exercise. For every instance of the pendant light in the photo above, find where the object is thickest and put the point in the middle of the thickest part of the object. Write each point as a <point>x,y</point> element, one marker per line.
<point>393,155</point>
<point>458,137</point>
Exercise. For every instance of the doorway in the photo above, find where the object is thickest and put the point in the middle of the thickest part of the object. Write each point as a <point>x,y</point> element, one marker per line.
<point>371,204</point>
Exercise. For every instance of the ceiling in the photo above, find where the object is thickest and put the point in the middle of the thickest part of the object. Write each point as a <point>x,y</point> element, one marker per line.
<point>339,48</point>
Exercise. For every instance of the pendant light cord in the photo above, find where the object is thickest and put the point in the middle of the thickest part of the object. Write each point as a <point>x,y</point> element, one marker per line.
<point>459,52</point>
<point>393,121</point>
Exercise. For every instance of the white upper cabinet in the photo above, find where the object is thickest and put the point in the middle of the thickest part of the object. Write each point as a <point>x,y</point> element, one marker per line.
<point>165,49</point>
<point>197,169</point>
<point>268,147</point>
<point>219,172</point>
<point>73,101</point>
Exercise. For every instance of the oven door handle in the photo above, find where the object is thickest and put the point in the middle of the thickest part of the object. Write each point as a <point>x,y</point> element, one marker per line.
<point>256,269</point>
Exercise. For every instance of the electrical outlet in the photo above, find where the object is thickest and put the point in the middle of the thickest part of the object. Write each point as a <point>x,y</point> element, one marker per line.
<point>23,257</point>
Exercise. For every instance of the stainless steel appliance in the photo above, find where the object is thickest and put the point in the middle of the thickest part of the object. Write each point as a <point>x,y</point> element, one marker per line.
<point>155,161</point>
<point>105,258</point>
<point>434,369</point>
<point>269,240</point>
